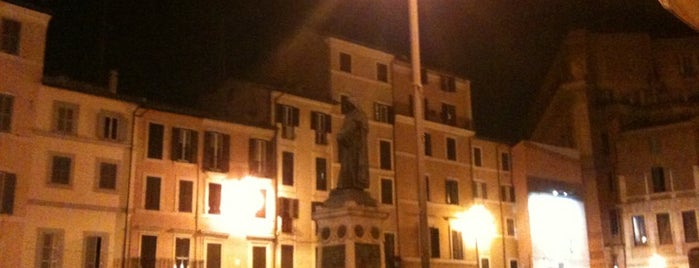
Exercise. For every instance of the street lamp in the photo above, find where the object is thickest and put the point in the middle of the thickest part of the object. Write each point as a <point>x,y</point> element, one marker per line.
<point>476,225</point>
<point>656,261</point>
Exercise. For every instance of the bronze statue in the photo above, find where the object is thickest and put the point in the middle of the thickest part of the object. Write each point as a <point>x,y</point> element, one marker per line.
<point>352,144</point>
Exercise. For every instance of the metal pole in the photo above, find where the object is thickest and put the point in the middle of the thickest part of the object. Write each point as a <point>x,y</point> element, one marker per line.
<point>419,132</point>
<point>478,257</point>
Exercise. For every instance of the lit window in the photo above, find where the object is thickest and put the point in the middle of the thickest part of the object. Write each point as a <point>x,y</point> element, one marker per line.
<point>259,157</point>
<point>640,237</point>
<point>6,103</point>
<point>51,248</point>
<point>345,62</point>
<point>181,252</point>
<point>184,145</point>
<point>10,36</point>
<point>382,72</point>
<point>383,113</point>
<point>448,114</point>
<point>480,190</point>
<point>288,117</point>
<point>216,151</point>
<point>65,117</point>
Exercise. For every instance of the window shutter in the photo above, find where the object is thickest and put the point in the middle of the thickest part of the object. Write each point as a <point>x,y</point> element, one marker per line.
<point>225,153</point>
<point>295,116</point>
<point>269,164</point>
<point>391,117</point>
<point>8,193</point>
<point>208,150</point>
<point>295,207</point>
<point>512,194</point>
<point>194,143</point>
<point>176,149</point>
<point>314,120</point>
<point>328,123</point>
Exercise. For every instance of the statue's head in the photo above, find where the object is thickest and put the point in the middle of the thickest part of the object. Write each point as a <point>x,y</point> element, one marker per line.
<point>348,105</point>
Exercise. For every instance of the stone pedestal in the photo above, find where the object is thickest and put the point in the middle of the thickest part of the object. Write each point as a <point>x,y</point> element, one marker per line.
<point>349,231</point>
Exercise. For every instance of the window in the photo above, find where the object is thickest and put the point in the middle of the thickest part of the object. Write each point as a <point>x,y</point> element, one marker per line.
<point>152,200</point>
<point>65,117</point>
<point>447,83</point>
<point>288,117</point>
<point>664,231</point>
<point>216,151</point>
<point>457,245</point>
<point>259,257</point>
<point>389,248</point>
<point>387,191</point>
<point>386,162</point>
<point>448,114</point>
<point>434,242</point>
<point>383,113</point>
<point>477,161</point>
<point>428,144</point>
<point>639,230</point>
<point>61,169</point>
<point>287,256</point>
<point>184,197</point>
<point>507,193</point>
<point>614,222</point>
<point>95,251</point>
<point>427,188</point>
<point>184,145</point>
<point>485,263</point>
<point>213,255</point>
<point>49,248</point>
<point>382,72</point>
<point>480,190</point>
<point>513,264</point>
<point>658,177</point>
<point>107,176</point>
<point>321,123</point>
<point>10,36</point>
<point>689,223</point>
<point>8,181</point>
<point>214,198</point>
<point>288,210</point>
<point>345,62</point>
<point>452,192</point>
<point>451,149</point>
<point>109,126</point>
<point>181,252</point>
<point>259,157</point>
<point>156,133</point>
<point>321,174</point>
<point>505,161</point>
<point>149,244</point>
<point>288,168</point>
<point>510,227</point>
<point>6,103</point>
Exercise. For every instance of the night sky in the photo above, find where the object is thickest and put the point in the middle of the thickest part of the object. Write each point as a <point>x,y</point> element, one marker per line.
<point>172,51</point>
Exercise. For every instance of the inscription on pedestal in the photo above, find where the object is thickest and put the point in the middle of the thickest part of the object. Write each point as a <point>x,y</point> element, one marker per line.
<point>334,257</point>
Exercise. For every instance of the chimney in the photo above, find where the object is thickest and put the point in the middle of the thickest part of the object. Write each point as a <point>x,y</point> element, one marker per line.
<point>113,81</point>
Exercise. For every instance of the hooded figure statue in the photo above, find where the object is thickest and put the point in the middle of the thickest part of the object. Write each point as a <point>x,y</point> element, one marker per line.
<point>352,144</point>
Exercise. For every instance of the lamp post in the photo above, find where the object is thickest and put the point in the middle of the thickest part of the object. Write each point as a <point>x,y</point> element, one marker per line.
<point>476,224</point>
<point>657,261</point>
<point>419,132</point>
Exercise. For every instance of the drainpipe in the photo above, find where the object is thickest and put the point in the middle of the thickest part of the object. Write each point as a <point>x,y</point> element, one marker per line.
<point>275,188</point>
<point>132,175</point>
